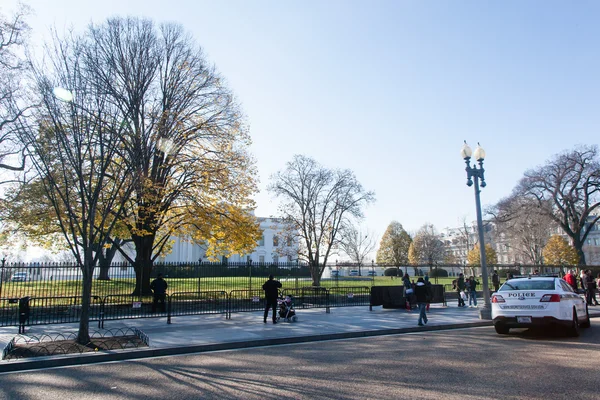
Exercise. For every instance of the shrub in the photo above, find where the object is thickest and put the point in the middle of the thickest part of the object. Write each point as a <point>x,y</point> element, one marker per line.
<point>392,272</point>
<point>439,273</point>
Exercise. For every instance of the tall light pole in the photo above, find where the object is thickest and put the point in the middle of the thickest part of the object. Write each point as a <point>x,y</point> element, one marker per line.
<point>475,174</point>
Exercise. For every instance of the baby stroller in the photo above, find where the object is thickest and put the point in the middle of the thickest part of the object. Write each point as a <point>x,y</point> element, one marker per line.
<point>286,309</point>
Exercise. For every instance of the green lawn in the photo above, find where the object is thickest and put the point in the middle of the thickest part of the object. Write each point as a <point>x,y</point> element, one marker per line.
<point>58,288</point>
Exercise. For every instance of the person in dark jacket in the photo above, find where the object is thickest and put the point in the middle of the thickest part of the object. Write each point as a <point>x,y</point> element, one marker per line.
<point>422,294</point>
<point>460,287</point>
<point>496,281</point>
<point>429,289</point>
<point>473,291</point>
<point>590,288</point>
<point>159,290</point>
<point>271,288</point>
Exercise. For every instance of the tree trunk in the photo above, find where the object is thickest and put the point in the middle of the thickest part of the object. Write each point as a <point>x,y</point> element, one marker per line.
<point>315,273</point>
<point>578,244</point>
<point>83,336</point>
<point>143,265</point>
<point>104,262</point>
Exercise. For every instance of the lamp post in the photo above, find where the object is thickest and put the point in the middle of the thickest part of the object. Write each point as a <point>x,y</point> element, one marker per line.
<point>475,174</point>
<point>373,271</point>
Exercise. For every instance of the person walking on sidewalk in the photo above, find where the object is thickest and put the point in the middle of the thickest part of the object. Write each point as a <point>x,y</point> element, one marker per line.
<point>159,290</point>
<point>271,288</point>
<point>422,295</point>
<point>429,290</point>
<point>460,289</point>
<point>408,290</point>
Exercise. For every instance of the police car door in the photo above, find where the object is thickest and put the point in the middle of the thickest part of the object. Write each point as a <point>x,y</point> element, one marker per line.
<point>574,300</point>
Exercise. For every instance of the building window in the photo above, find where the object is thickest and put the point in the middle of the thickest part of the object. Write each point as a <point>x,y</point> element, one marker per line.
<point>248,259</point>
<point>275,240</point>
<point>261,259</point>
<point>289,241</point>
<point>261,242</point>
<point>289,258</point>
<point>275,259</point>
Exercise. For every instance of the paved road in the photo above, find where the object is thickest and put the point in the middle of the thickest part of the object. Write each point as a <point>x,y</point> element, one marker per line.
<point>472,363</point>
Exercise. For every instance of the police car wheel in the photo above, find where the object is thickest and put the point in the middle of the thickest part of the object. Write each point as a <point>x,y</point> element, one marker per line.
<point>587,322</point>
<point>501,329</point>
<point>573,330</point>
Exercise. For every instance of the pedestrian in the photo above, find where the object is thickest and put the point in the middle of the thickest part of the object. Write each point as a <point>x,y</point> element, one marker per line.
<point>473,291</point>
<point>590,288</point>
<point>570,279</point>
<point>429,290</point>
<point>408,290</point>
<point>581,280</point>
<point>460,289</point>
<point>159,291</point>
<point>271,288</point>
<point>422,296</point>
<point>496,281</point>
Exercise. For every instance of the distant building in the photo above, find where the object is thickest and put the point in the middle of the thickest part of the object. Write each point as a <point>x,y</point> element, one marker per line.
<point>459,241</point>
<point>273,247</point>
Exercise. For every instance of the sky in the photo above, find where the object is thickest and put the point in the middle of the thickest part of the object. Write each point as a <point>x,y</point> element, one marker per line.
<point>391,89</point>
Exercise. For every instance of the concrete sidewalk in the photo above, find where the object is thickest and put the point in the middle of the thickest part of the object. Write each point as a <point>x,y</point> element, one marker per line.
<point>199,333</point>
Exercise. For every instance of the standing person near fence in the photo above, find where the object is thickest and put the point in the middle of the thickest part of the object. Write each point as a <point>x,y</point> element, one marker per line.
<point>496,281</point>
<point>422,295</point>
<point>271,288</point>
<point>460,290</point>
<point>159,291</point>
<point>408,290</point>
<point>473,291</point>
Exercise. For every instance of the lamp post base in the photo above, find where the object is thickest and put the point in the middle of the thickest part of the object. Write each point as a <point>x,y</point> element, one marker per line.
<point>485,312</point>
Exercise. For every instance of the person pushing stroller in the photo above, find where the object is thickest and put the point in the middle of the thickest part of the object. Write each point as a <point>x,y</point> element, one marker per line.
<point>271,288</point>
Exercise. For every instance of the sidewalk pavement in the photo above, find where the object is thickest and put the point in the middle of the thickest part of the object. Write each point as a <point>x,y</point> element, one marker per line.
<point>201,333</point>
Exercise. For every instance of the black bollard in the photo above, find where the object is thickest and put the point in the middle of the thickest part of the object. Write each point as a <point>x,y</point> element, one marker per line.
<point>23,312</point>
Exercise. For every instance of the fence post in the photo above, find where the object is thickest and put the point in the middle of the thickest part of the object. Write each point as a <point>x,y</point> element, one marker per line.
<point>2,274</point>
<point>327,309</point>
<point>168,309</point>
<point>101,320</point>
<point>228,306</point>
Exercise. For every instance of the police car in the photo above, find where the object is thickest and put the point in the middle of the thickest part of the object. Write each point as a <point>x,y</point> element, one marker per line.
<point>538,301</point>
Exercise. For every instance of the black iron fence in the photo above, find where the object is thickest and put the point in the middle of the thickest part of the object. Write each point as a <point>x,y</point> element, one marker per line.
<point>206,288</point>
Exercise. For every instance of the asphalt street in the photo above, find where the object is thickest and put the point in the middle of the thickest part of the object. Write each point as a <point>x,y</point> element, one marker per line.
<point>473,363</point>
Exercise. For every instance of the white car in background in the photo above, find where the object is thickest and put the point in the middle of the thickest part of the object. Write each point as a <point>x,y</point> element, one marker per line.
<point>20,277</point>
<point>538,301</point>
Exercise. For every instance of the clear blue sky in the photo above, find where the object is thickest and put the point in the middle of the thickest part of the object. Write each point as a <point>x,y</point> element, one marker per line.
<point>390,89</point>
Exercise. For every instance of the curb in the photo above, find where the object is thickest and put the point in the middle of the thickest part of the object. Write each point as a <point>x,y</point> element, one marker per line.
<point>92,358</point>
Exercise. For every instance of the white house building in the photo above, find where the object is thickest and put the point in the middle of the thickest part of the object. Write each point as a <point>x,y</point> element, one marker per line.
<point>271,248</point>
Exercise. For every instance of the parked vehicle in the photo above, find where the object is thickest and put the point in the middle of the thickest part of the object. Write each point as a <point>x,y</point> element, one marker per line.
<point>372,273</point>
<point>20,277</point>
<point>354,272</point>
<point>538,302</point>
<point>335,273</point>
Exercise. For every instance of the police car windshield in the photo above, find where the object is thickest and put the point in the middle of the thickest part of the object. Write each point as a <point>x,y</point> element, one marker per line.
<point>527,284</point>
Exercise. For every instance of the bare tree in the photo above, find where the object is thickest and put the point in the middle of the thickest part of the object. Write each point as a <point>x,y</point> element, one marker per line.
<point>566,189</point>
<point>316,203</point>
<point>357,243</point>
<point>519,221</point>
<point>186,139</point>
<point>13,68</point>
<point>75,145</point>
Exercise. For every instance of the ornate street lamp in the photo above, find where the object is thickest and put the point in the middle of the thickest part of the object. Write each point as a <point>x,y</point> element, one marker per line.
<point>475,174</point>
